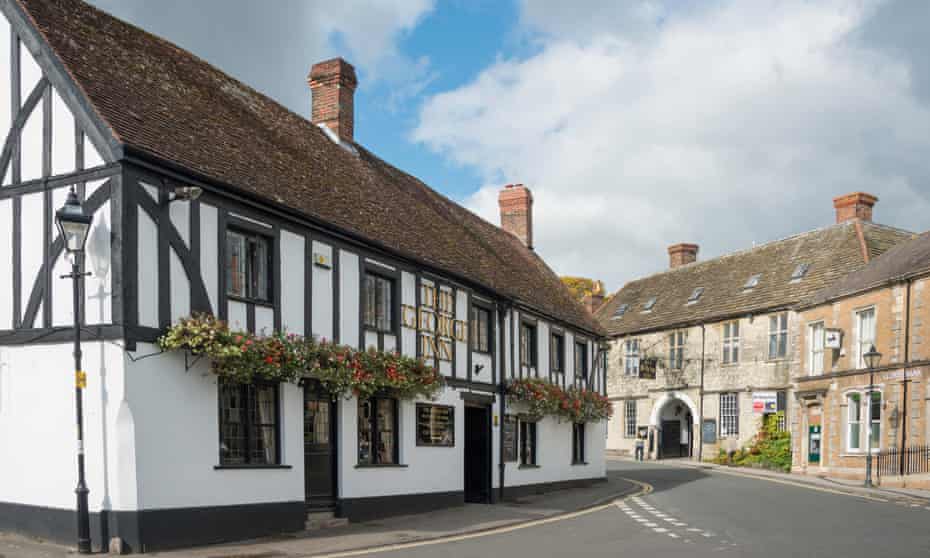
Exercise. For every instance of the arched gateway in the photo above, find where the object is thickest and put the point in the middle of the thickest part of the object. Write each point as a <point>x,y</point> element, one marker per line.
<point>674,424</point>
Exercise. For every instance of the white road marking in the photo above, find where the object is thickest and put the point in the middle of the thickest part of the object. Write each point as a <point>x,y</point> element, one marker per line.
<point>673,535</point>
<point>660,530</point>
<point>648,524</point>
<point>693,529</point>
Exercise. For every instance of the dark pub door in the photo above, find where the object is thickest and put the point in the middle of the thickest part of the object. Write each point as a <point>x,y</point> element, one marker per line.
<point>671,438</point>
<point>319,448</point>
<point>477,454</point>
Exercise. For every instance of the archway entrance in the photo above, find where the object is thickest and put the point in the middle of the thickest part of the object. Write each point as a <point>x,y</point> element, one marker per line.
<point>675,424</point>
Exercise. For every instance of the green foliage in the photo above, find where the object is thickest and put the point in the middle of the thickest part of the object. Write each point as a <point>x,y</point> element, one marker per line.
<point>540,398</point>
<point>770,449</point>
<point>242,357</point>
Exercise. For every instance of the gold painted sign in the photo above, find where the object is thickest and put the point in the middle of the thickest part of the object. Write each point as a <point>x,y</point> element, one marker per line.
<point>435,323</point>
<point>80,379</point>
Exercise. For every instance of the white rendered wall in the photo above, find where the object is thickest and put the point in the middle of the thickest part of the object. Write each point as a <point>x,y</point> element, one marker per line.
<point>147,271</point>
<point>236,315</point>
<point>6,259</point>
<point>180,288</point>
<point>37,417</point>
<point>32,238</point>
<point>349,298</point>
<point>554,454</point>
<point>322,294</point>
<point>209,253</point>
<point>177,440</point>
<point>293,258</point>
<point>408,296</point>
<point>5,85</point>
<point>264,320</point>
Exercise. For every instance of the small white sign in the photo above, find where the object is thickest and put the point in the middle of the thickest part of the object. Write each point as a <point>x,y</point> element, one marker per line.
<point>833,339</point>
<point>764,402</point>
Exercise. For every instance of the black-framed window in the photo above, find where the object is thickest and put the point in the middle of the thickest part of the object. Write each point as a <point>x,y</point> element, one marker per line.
<point>248,265</point>
<point>249,430</point>
<point>557,353</point>
<point>528,353</point>
<point>377,431</point>
<point>629,415</point>
<point>378,302</point>
<point>581,361</point>
<point>480,329</point>
<point>578,442</point>
<point>527,443</point>
<point>435,425</point>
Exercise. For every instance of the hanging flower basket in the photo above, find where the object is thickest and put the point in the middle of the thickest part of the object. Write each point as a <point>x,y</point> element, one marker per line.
<point>539,398</point>
<point>343,371</point>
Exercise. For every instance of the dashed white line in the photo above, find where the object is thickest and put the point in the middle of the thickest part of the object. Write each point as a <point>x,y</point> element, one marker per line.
<point>660,530</point>
<point>673,535</point>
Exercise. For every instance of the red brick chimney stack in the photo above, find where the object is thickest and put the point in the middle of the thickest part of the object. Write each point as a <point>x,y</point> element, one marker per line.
<point>857,205</point>
<point>332,85</point>
<point>682,254</point>
<point>516,205</point>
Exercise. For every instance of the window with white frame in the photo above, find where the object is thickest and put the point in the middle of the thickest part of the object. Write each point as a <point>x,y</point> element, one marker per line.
<point>853,422</point>
<point>629,416</point>
<point>676,350</point>
<point>731,342</point>
<point>631,357</point>
<point>815,338</point>
<point>778,336</point>
<point>875,419</point>
<point>729,414</point>
<point>865,334</point>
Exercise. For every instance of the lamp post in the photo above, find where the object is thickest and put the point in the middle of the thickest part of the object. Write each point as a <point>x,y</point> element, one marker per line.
<point>872,359</point>
<point>74,225</point>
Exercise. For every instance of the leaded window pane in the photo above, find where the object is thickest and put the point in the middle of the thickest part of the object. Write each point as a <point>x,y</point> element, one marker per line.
<point>248,424</point>
<point>630,416</point>
<point>378,311</point>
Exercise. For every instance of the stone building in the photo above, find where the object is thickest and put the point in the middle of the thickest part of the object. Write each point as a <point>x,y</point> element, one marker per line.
<point>885,305</point>
<point>700,352</point>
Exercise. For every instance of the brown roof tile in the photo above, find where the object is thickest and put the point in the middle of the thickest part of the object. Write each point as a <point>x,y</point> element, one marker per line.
<point>162,100</point>
<point>830,253</point>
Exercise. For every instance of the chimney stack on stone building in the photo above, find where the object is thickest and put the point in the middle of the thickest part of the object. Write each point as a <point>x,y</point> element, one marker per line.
<point>857,205</point>
<point>682,254</point>
<point>516,206</point>
<point>594,299</point>
<point>332,85</point>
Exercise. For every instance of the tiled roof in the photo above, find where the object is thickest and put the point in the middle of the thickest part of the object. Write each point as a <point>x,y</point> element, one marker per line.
<point>830,253</point>
<point>165,102</point>
<point>907,259</point>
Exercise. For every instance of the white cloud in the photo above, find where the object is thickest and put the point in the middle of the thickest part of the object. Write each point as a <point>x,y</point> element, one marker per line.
<point>733,124</point>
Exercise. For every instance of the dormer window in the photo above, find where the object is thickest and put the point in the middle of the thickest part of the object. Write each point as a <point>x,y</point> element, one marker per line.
<point>621,310</point>
<point>800,272</point>
<point>695,295</point>
<point>752,282</point>
<point>649,304</point>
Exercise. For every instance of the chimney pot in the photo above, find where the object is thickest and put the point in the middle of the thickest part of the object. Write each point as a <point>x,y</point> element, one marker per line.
<point>857,205</point>
<point>332,85</point>
<point>682,254</point>
<point>516,207</point>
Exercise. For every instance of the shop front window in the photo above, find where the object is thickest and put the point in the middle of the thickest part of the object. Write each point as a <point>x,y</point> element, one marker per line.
<point>377,431</point>
<point>248,424</point>
<point>527,443</point>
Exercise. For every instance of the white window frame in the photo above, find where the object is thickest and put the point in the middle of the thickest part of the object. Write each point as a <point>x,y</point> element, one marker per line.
<point>729,414</point>
<point>778,331</point>
<point>864,340</point>
<point>850,422</point>
<point>731,342</point>
<point>875,422</point>
<point>676,350</point>
<point>629,418</point>
<point>815,348</point>
<point>631,358</point>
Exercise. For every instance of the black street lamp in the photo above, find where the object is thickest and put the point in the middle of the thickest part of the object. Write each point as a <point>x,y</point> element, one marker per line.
<point>74,225</point>
<point>872,359</point>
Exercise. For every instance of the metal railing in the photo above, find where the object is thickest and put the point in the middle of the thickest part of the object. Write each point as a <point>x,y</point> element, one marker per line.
<point>909,461</point>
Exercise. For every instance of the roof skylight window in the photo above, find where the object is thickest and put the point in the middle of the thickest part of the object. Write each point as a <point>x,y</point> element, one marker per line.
<point>752,281</point>
<point>800,272</point>
<point>695,295</point>
<point>621,310</point>
<point>649,304</point>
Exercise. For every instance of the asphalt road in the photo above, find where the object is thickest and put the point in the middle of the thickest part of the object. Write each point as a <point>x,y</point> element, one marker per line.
<point>698,513</point>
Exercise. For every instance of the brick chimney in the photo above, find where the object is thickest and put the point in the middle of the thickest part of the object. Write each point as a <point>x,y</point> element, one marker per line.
<point>332,85</point>
<point>516,205</point>
<point>857,205</point>
<point>682,254</point>
<point>593,300</point>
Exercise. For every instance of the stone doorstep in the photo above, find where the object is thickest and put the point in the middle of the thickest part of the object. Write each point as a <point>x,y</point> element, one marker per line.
<point>317,520</point>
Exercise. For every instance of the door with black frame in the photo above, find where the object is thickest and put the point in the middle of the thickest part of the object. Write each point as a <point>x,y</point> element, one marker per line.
<point>671,438</point>
<point>319,447</point>
<point>477,454</point>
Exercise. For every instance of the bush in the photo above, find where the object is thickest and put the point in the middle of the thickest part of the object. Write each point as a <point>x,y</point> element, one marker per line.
<point>770,449</point>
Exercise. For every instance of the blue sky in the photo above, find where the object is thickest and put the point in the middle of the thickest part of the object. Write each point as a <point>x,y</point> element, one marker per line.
<point>637,124</point>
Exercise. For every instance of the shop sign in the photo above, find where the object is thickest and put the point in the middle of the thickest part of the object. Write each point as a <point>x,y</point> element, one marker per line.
<point>709,431</point>
<point>764,402</point>
<point>833,339</point>
<point>435,425</point>
<point>647,368</point>
<point>435,323</point>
